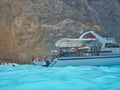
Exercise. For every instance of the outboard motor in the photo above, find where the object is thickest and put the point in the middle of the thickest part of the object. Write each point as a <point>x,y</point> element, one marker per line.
<point>47,62</point>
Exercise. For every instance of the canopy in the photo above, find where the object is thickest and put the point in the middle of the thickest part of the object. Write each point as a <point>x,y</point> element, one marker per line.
<point>67,42</point>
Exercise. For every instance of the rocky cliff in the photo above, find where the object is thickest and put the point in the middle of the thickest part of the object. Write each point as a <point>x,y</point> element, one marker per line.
<point>31,27</point>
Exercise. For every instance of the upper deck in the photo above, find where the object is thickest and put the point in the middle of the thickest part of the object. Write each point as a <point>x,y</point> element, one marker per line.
<point>89,43</point>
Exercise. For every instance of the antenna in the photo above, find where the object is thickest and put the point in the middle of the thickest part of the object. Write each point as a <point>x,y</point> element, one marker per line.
<point>81,31</point>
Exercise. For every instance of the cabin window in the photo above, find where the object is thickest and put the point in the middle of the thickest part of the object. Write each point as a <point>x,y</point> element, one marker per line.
<point>112,45</point>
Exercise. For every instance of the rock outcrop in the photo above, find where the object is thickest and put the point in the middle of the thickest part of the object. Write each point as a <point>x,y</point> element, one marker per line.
<point>31,27</point>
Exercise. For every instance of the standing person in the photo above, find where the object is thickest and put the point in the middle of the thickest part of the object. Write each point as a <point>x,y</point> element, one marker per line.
<point>33,58</point>
<point>40,58</point>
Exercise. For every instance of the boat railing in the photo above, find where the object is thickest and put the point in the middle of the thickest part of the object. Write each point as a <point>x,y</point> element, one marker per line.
<point>86,53</point>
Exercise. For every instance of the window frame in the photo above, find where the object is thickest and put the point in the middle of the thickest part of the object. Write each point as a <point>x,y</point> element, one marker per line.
<point>112,45</point>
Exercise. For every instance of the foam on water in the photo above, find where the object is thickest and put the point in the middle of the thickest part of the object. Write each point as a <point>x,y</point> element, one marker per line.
<point>30,77</point>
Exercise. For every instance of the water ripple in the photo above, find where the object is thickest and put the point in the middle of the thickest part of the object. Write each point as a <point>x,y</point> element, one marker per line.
<point>30,77</point>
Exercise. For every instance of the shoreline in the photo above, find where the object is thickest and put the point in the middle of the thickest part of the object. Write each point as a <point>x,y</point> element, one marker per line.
<point>5,62</point>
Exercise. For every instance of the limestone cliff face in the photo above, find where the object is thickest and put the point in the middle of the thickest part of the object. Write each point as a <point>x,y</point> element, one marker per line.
<point>31,27</point>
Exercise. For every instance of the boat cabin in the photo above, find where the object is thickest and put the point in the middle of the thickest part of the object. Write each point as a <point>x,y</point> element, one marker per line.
<point>89,43</point>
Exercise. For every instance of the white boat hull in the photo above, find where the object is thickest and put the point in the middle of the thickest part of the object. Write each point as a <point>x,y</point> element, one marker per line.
<point>86,60</point>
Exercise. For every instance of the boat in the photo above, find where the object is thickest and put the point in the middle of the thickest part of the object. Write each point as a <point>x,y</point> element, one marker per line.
<point>89,49</point>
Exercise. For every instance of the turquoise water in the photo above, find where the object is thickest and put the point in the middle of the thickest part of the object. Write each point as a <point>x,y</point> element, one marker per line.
<point>30,77</point>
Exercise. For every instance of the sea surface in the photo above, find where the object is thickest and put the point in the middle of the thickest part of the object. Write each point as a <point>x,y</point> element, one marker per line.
<point>31,77</point>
